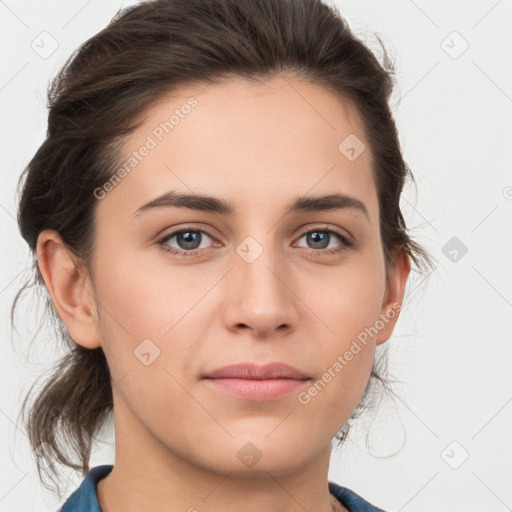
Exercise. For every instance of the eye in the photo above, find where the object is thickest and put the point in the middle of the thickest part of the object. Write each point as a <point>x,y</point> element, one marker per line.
<point>188,239</point>
<point>322,236</point>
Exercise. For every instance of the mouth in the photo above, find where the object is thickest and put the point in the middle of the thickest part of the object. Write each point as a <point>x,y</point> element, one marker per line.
<point>250,370</point>
<point>254,382</point>
<point>256,389</point>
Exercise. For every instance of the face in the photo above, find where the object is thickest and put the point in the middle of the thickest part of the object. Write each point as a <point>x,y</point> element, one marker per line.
<point>182,291</point>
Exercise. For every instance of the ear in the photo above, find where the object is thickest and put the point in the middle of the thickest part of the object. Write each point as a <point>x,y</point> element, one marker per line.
<point>392,302</point>
<point>70,288</point>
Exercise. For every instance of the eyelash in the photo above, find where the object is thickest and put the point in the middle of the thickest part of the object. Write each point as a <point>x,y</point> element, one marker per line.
<point>346,244</point>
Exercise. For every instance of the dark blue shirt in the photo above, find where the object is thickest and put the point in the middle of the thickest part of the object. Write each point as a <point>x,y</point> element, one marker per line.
<point>85,499</point>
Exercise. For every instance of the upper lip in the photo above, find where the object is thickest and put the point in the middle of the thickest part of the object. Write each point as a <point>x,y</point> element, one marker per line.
<point>257,372</point>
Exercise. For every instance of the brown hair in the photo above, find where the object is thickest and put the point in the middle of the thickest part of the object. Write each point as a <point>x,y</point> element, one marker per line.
<point>101,95</point>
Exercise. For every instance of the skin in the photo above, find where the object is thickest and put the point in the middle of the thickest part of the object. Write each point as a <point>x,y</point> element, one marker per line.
<point>258,146</point>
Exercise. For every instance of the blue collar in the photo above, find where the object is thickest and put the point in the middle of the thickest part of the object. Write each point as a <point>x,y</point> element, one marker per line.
<point>85,499</point>
<point>351,500</point>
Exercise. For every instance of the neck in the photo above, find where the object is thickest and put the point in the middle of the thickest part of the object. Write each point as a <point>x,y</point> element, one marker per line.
<point>149,475</point>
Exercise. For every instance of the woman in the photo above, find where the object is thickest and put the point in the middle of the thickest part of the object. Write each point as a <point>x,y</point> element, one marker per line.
<point>215,216</point>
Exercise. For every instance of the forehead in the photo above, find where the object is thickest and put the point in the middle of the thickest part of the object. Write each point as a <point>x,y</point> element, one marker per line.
<point>256,144</point>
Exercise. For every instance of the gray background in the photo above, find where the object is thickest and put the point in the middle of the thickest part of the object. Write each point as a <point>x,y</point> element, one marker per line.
<point>445,444</point>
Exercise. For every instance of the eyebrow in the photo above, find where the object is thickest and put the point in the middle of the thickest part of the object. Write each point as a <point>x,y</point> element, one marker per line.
<point>205,203</point>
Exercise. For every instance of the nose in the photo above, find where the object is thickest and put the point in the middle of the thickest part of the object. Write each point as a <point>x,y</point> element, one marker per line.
<point>262,294</point>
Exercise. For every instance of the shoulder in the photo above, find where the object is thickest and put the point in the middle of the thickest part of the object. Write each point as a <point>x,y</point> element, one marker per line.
<point>84,498</point>
<point>351,500</point>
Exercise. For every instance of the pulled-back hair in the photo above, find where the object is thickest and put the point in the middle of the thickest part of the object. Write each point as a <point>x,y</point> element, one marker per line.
<point>101,95</point>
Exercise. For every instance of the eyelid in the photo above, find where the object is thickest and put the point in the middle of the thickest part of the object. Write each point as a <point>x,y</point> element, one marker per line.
<point>322,226</point>
<point>186,227</point>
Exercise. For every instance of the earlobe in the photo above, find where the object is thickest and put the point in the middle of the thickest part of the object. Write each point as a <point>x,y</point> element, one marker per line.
<point>69,288</point>
<point>393,301</point>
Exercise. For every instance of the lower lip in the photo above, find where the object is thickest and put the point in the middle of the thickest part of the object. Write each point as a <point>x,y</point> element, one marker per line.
<point>252,389</point>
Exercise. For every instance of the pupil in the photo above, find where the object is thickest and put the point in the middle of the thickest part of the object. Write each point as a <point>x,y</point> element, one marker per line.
<point>187,238</point>
<point>315,235</point>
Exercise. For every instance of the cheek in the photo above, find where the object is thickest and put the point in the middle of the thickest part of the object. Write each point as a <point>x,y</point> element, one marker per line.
<point>147,301</point>
<point>349,299</point>
<point>149,316</point>
<point>349,305</point>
